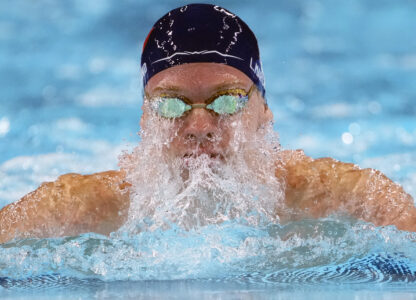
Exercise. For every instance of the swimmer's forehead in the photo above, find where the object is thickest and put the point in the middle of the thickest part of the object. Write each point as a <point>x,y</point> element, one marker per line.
<point>201,77</point>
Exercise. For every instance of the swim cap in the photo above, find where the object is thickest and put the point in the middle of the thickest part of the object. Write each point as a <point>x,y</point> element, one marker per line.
<point>201,33</point>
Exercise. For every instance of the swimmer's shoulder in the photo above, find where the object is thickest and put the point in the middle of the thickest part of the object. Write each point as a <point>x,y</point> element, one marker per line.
<point>308,178</point>
<point>290,162</point>
<point>296,161</point>
<point>101,199</point>
<point>70,205</point>
<point>112,179</point>
<point>105,193</point>
<point>319,187</point>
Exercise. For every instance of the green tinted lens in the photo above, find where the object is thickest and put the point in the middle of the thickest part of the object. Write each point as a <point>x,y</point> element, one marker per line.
<point>228,104</point>
<point>171,107</point>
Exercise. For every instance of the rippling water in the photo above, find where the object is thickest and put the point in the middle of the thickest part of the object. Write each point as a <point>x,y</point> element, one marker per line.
<point>311,254</point>
<point>340,81</point>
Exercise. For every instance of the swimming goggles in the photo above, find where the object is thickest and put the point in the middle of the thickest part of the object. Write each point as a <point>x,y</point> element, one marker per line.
<point>226,102</point>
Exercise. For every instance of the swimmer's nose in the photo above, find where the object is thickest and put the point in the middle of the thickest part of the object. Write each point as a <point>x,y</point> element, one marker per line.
<point>199,125</point>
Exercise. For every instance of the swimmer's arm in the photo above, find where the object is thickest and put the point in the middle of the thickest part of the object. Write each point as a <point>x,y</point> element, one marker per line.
<point>323,186</point>
<point>71,205</point>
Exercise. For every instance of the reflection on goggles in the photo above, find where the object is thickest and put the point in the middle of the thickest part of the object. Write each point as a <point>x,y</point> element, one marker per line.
<point>225,102</point>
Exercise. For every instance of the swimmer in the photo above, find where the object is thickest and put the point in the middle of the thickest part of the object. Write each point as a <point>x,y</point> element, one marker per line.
<point>205,104</point>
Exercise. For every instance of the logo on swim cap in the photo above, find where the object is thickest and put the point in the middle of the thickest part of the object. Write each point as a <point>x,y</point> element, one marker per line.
<point>143,70</point>
<point>258,70</point>
<point>197,52</point>
<point>201,33</point>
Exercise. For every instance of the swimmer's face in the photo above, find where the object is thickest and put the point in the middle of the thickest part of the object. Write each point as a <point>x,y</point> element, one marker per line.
<point>201,131</point>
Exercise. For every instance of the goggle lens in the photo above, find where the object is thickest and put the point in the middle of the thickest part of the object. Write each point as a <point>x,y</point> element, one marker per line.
<point>171,107</point>
<point>227,103</point>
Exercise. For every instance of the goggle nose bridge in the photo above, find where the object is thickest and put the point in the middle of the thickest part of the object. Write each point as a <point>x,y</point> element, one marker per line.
<point>198,105</point>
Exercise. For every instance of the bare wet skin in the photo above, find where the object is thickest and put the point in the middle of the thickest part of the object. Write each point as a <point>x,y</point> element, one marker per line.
<point>203,168</point>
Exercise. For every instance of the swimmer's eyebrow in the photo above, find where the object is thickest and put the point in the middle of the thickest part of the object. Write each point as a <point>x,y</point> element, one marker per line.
<point>167,88</point>
<point>218,87</point>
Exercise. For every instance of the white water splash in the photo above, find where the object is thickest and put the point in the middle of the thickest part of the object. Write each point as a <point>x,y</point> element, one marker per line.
<point>197,190</point>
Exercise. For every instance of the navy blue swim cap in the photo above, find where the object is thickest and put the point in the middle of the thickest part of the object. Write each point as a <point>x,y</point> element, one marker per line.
<point>201,33</point>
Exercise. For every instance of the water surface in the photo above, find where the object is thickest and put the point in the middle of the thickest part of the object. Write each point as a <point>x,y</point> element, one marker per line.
<point>340,82</point>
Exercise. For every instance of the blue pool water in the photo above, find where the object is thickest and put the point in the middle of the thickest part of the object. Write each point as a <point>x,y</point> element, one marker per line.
<point>340,81</point>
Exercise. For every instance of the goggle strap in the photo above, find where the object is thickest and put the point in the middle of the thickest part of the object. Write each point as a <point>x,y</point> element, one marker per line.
<point>250,91</point>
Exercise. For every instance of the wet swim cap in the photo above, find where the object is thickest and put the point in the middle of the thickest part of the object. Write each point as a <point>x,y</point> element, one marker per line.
<point>201,33</point>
